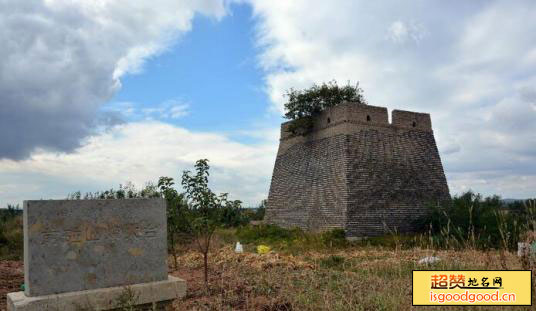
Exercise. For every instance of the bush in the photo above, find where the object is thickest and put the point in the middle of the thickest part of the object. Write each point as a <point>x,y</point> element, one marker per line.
<point>9,213</point>
<point>470,220</point>
<point>233,215</point>
<point>11,233</point>
<point>256,213</point>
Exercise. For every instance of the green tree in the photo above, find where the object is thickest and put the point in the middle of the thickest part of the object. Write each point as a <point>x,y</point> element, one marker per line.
<point>303,105</point>
<point>205,207</point>
<point>11,235</point>
<point>176,208</point>
<point>233,215</point>
<point>261,210</point>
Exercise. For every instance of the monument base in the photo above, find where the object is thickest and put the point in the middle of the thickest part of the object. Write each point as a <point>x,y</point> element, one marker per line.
<point>144,294</point>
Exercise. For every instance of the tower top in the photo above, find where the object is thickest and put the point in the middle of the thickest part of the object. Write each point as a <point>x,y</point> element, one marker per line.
<point>364,115</point>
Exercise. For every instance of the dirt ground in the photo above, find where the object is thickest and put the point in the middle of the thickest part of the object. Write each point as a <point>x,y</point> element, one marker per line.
<point>307,281</point>
<point>234,281</point>
<point>239,293</point>
<point>11,278</point>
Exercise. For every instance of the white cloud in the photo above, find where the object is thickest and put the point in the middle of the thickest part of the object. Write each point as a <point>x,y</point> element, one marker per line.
<point>398,31</point>
<point>141,152</point>
<point>514,186</point>
<point>62,59</point>
<point>401,32</point>
<point>178,111</point>
<point>167,110</point>
<point>473,69</point>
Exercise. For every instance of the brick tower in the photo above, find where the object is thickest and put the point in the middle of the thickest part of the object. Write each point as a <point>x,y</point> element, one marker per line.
<point>356,171</point>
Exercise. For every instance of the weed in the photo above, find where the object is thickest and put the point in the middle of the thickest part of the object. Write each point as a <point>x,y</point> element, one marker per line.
<point>332,262</point>
<point>335,238</point>
<point>127,300</point>
<point>267,233</point>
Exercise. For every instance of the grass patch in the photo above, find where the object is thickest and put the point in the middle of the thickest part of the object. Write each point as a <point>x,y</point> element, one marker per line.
<point>11,238</point>
<point>267,233</point>
<point>291,241</point>
<point>354,278</point>
<point>332,262</point>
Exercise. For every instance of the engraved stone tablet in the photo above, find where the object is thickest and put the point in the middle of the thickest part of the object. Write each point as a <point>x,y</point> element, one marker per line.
<point>74,245</point>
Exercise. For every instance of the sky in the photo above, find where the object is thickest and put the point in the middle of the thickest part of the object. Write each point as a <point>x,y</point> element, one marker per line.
<point>94,94</point>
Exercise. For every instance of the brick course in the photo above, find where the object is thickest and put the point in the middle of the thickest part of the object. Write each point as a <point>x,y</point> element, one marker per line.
<point>357,171</point>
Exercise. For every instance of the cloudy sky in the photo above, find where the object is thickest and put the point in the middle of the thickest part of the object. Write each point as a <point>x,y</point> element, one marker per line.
<point>97,93</point>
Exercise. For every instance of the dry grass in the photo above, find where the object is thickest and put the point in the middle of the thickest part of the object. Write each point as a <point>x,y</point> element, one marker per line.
<point>354,278</point>
<point>350,278</point>
<point>305,274</point>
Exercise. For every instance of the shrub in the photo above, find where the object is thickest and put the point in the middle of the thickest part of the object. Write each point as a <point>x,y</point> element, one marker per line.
<point>11,233</point>
<point>259,213</point>
<point>256,213</point>
<point>233,215</point>
<point>175,211</point>
<point>9,213</point>
<point>470,220</point>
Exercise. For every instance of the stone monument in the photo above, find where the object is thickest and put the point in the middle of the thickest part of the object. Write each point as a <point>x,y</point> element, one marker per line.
<point>356,171</point>
<point>83,254</point>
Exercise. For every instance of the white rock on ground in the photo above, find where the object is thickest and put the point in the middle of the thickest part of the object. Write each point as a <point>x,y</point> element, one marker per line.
<point>239,248</point>
<point>429,260</point>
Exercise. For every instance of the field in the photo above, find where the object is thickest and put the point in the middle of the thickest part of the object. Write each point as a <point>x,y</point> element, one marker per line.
<point>354,277</point>
<point>311,272</point>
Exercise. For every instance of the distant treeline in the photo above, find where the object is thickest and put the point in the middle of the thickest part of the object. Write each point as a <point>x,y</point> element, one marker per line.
<point>10,212</point>
<point>230,216</point>
<point>471,220</point>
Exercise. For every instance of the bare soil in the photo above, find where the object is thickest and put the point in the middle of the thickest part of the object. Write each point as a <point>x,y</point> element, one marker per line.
<point>11,279</point>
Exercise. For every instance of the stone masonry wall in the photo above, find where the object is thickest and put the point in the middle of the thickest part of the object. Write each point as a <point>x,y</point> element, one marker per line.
<point>392,175</point>
<point>304,185</point>
<point>358,172</point>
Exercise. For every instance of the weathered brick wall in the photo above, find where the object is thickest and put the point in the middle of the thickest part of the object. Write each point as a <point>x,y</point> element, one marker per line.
<point>392,176</point>
<point>356,171</point>
<point>307,192</point>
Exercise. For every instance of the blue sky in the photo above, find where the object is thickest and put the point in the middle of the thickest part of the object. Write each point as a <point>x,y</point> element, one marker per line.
<point>94,94</point>
<point>213,70</point>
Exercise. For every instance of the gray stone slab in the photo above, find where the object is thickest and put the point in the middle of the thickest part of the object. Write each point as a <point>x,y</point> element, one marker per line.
<point>75,245</point>
<point>99,299</point>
